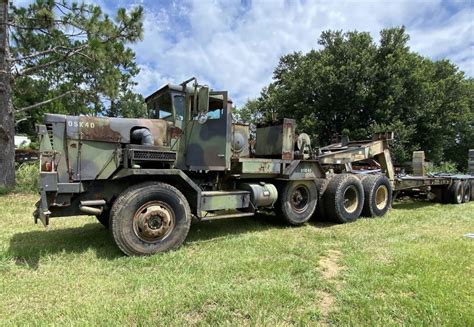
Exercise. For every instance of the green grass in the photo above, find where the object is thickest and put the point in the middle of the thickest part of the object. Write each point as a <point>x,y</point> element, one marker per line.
<point>412,267</point>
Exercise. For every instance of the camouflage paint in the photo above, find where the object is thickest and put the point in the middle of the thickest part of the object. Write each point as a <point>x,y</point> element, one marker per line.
<point>116,130</point>
<point>208,145</point>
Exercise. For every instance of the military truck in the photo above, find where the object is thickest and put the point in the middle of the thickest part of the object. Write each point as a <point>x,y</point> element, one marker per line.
<point>145,179</point>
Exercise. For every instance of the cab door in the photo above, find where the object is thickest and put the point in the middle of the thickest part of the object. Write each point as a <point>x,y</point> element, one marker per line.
<point>208,144</point>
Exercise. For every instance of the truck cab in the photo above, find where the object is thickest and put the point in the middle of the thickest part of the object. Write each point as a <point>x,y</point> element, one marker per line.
<point>203,117</point>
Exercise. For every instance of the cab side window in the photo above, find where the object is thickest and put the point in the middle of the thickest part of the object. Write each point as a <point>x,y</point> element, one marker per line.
<point>216,109</point>
<point>161,108</point>
<point>179,106</point>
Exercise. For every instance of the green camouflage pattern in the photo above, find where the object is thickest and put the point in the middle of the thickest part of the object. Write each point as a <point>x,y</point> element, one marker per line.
<point>277,140</point>
<point>195,146</point>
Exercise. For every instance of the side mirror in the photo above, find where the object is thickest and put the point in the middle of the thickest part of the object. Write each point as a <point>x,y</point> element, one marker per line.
<point>203,100</point>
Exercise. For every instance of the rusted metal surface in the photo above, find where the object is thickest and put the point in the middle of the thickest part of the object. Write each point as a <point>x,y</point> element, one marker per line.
<point>154,221</point>
<point>117,130</point>
<point>277,141</point>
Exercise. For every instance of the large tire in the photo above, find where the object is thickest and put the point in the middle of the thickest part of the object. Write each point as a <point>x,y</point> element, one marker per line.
<point>343,198</point>
<point>103,218</point>
<point>467,192</point>
<point>319,212</point>
<point>149,218</point>
<point>472,190</point>
<point>297,202</point>
<point>377,195</point>
<point>454,193</point>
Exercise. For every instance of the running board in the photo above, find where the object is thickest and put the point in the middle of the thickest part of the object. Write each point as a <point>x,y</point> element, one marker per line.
<point>231,215</point>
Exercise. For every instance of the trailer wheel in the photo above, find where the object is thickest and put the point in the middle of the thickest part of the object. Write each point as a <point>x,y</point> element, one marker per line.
<point>297,202</point>
<point>472,189</point>
<point>467,192</point>
<point>377,194</point>
<point>149,218</point>
<point>454,193</point>
<point>103,218</point>
<point>344,198</point>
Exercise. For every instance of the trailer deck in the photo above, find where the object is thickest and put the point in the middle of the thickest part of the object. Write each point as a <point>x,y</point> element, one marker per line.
<point>375,158</point>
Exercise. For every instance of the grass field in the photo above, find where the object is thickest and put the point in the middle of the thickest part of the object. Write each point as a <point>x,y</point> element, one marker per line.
<point>412,267</point>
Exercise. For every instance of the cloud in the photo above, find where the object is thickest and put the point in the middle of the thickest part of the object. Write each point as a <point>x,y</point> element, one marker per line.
<point>235,45</point>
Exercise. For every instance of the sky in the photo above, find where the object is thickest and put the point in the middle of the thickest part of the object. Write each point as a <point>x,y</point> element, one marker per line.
<point>235,45</point>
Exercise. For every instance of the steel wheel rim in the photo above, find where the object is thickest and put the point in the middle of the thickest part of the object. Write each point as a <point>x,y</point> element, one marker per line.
<point>459,195</point>
<point>467,193</point>
<point>381,197</point>
<point>351,199</point>
<point>154,221</point>
<point>300,198</point>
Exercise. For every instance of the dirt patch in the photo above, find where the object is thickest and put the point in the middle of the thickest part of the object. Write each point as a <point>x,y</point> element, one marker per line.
<point>329,264</point>
<point>330,268</point>
<point>326,303</point>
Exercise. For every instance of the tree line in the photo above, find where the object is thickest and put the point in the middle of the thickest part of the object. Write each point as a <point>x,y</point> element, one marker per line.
<point>354,86</point>
<point>64,57</point>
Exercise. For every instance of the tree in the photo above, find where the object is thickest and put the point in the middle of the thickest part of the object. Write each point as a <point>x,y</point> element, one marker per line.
<point>357,86</point>
<point>7,126</point>
<point>69,58</point>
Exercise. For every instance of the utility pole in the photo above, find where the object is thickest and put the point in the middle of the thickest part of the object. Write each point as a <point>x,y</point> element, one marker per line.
<point>7,118</point>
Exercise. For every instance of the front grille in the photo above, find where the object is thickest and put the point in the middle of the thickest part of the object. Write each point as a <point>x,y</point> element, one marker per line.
<point>151,155</point>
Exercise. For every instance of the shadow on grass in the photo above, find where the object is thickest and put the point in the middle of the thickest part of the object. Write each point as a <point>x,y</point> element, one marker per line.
<point>29,247</point>
<point>219,228</point>
<point>233,227</point>
<point>412,204</point>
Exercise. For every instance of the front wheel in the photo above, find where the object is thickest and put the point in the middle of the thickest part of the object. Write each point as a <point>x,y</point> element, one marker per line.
<point>149,218</point>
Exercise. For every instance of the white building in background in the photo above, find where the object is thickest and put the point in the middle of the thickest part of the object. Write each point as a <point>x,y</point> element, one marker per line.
<point>21,140</point>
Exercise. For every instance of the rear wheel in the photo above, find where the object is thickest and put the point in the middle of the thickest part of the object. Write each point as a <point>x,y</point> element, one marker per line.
<point>377,194</point>
<point>149,218</point>
<point>344,198</point>
<point>467,192</point>
<point>297,202</point>
<point>455,193</point>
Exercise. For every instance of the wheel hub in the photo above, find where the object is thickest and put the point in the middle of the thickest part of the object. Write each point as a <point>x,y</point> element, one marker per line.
<point>381,197</point>
<point>153,222</point>
<point>300,199</point>
<point>351,199</point>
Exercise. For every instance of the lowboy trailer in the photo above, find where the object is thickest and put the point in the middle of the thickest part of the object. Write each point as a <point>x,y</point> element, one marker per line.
<point>440,187</point>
